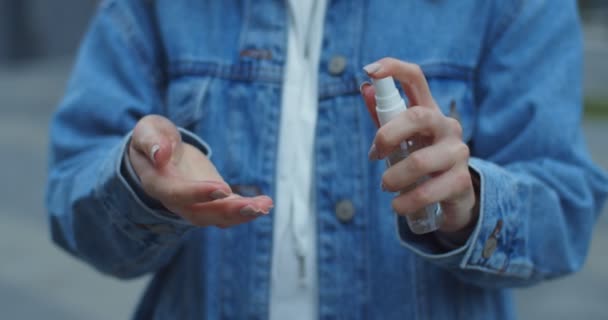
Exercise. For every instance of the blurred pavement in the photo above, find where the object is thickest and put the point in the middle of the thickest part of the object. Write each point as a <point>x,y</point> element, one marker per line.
<point>596,56</point>
<point>38,281</point>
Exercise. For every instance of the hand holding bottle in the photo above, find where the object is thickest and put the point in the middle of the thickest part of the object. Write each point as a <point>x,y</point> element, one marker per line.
<point>443,156</point>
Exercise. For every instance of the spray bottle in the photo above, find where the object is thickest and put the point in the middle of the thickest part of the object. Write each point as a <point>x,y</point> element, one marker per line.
<point>389,104</point>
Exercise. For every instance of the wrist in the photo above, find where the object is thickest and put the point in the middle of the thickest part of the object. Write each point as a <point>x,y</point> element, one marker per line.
<point>460,237</point>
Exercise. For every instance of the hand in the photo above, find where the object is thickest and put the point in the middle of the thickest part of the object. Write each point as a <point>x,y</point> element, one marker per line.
<point>445,159</point>
<point>184,180</point>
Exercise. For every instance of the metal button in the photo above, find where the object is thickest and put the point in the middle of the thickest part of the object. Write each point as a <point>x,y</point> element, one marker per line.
<point>345,211</point>
<point>489,248</point>
<point>491,244</point>
<point>337,65</point>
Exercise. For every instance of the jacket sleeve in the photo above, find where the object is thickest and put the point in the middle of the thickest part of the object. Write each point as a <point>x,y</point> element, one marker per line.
<point>94,211</point>
<point>540,193</point>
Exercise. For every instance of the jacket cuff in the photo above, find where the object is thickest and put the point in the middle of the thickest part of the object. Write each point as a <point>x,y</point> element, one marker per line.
<point>130,208</point>
<point>497,242</point>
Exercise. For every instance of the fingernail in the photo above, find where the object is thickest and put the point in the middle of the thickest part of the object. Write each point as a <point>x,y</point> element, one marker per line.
<point>219,194</point>
<point>268,210</point>
<point>250,211</point>
<point>153,152</point>
<point>373,153</point>
<point>365,84</point>
<point>372,68</point>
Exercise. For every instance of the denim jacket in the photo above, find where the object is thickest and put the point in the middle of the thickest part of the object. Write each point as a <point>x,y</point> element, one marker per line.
<point>510,70</point>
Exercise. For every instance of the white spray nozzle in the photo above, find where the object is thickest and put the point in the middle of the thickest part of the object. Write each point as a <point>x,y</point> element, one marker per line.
<point>387,96</point>
<point>384,87</point>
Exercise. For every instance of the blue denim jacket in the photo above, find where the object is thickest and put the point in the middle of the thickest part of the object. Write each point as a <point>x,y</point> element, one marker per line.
<point>510,70</point>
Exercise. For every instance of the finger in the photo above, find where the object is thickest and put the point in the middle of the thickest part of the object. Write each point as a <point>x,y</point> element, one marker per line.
<point>173,191</point>
<point>410,75</point>
<point>259,204</point>
<point>454,187</point>
<point>368,93</point>
<point>229,211</point>
<point>156,138</point>
<point>200,216</point>
<point>413,121</point>
<point>435,158</point>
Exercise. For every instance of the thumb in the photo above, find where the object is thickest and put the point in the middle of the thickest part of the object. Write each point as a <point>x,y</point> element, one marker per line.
<point>157,138</point>
<point>368,92</point>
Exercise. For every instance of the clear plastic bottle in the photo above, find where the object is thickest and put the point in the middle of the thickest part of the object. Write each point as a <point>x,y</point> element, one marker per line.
<point>388,105</point>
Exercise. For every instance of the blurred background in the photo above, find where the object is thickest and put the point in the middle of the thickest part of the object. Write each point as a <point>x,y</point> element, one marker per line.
<point>38,39</point>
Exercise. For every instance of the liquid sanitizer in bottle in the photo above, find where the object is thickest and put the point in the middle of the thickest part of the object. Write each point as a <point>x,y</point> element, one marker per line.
<point>388,105</point>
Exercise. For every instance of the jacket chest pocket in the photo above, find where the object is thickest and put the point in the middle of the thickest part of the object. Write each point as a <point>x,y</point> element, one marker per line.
<point>238,119</point>
<point>186,101</point>
<point>453,92</point>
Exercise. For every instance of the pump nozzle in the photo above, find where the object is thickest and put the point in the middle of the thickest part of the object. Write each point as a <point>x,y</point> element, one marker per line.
<point>384,87</point>
<point>388,101</point>
<point>387,96</point>
<point>389,105</point>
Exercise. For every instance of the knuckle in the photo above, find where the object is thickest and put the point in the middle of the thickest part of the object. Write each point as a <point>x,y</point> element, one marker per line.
<point>417,70</point>
<point>418,115</point>
<point>421,196</point>
<point>388,60</point>
<point>153,119</point>
<point>146,121</point>
<point>382,139</point>
<point>416,162</point>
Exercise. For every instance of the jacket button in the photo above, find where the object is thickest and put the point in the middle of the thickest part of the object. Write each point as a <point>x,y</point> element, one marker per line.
<point>337,65</point>
<point>489,248</point>
<point>345,211</point>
